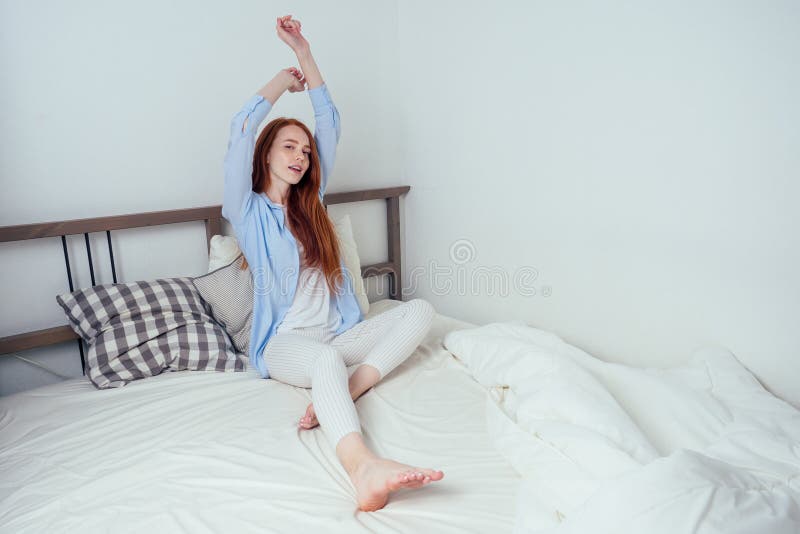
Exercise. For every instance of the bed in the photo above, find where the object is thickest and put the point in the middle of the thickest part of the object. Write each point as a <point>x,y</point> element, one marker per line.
<point>533,434</point>
<point>221,452</point>
<point>196,452</point>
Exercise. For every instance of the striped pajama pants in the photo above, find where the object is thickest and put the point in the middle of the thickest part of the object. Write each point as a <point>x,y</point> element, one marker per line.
<point>318,359</point>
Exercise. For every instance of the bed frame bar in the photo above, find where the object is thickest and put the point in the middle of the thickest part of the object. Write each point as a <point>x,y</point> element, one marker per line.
<point>212,217</point>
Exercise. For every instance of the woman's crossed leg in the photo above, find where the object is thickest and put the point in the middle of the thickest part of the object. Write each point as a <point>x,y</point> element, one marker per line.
<point>380,344</point>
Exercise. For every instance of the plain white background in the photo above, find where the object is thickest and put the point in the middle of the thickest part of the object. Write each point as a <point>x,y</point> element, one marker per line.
<point>633,165</point>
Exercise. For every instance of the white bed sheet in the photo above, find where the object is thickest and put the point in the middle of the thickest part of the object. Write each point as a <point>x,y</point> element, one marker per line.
<point>196,452</point>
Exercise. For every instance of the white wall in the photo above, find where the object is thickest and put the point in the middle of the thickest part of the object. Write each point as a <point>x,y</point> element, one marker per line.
<point>641,156</point>
<point>638,156</point>
<point>124,107</point>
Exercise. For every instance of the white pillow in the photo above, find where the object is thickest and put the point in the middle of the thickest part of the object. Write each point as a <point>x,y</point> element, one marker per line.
<point>225,249</point>
<point>349,251</point>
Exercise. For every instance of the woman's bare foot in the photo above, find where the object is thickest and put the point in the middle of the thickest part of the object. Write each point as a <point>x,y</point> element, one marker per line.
<point>309,420</point>
<point>375,479</point>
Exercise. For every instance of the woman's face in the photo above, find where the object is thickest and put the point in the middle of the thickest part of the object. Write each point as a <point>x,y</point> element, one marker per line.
<point>289,156</point>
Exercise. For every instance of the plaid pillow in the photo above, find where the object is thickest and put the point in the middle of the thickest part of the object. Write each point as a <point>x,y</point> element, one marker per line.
<point>139,329</point>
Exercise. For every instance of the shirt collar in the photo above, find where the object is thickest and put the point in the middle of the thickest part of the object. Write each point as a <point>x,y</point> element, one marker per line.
<point>273,205</point>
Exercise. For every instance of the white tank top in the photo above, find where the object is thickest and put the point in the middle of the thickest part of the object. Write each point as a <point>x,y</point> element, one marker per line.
<point>312,306</point>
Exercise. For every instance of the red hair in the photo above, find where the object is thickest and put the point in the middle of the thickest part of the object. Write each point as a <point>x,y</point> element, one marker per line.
<point>308,218</point>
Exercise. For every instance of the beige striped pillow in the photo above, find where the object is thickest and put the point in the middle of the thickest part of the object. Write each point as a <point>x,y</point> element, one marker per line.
<point>229,292</point>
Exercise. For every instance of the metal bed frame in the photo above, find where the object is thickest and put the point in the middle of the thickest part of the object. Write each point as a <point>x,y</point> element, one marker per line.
<point>212,217</point>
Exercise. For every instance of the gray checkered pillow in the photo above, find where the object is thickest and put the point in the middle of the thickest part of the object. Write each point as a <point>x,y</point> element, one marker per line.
<point>140,329</point>
<point>229,292</point>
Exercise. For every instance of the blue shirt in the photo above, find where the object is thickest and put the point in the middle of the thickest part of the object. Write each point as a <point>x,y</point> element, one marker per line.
<point>258,222</point>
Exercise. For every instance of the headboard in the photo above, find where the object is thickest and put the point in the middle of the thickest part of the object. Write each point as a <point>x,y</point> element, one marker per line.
<point>212,217</point>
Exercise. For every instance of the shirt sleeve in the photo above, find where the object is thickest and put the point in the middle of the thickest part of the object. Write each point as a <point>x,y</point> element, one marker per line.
<point>326,132</point>
<point>238,165</point>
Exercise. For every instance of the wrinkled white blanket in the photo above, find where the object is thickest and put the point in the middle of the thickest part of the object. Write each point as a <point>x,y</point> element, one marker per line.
<point>701,448</point>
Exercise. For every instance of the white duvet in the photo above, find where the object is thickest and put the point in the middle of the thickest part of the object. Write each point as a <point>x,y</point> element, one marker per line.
<point>609,448</point>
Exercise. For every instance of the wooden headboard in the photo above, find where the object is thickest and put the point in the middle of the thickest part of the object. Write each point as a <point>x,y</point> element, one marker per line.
<point>212,216</point>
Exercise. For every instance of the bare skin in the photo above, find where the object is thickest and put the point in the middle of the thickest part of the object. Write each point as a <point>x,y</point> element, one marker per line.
<point>373,477</point>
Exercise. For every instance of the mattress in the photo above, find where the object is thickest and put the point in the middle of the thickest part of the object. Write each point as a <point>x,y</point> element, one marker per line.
<point>199,452</point>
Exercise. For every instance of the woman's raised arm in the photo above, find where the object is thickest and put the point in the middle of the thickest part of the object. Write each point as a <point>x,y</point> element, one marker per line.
<point>327,128</point>
<point>289,32</point>
<point>294,83</point>
<point>241,144</point>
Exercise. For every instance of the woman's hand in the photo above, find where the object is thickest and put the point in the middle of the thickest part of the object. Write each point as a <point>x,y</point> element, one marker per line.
<point>290,78</point>
<point>293,79</point>
<point>289,32</point>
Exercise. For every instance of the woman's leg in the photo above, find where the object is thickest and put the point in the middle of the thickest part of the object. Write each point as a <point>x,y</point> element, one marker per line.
<point>388,339</point>
<point>302,361</point>
<point>380,344</point>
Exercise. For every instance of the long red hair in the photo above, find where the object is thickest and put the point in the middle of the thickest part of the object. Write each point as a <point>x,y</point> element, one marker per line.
<point>307,216</point>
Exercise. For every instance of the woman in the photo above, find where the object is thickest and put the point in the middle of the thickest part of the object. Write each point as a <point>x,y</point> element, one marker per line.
<point>307,326</point>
